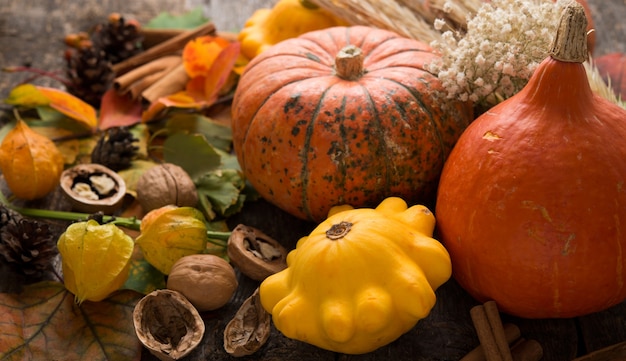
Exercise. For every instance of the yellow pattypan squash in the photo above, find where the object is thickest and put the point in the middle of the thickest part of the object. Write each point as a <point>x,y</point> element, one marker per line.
<point>360,279</point>
<point>287,19</point>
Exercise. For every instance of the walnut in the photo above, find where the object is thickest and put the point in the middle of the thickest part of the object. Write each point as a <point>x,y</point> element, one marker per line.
<point>167,324</point>
<point>206,280</point>
<point>166,184</point>
<point>256,254</point>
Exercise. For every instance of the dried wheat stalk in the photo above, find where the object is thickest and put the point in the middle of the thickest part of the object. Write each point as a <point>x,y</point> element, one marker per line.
<point>410,18</point>
<point>384,14</point>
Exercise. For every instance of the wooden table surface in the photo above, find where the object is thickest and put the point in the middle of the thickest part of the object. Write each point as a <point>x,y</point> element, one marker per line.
<point>31,32</point>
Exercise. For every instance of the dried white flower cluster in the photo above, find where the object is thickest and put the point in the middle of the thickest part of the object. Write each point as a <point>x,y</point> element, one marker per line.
<point>504,43</point>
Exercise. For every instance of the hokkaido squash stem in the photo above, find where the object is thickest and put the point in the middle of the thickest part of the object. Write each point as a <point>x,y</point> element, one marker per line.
<point>214,237</point>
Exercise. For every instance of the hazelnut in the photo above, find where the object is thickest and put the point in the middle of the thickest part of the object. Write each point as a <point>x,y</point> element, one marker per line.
<point>256,254</point>
<point>166,184</point>
<point>167,324</point>
<point>206,280</point>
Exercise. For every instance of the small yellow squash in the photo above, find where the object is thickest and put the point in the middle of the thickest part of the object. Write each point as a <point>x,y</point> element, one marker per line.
<point>361,279</point>
<point>287,19</point>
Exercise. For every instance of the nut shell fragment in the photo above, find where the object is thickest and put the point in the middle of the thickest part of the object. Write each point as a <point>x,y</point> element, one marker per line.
<point>248,331</point>
<point>167,324</point>
<point>256,254</point>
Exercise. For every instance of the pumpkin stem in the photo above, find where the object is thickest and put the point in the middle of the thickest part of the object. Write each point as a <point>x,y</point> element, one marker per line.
<point>338,230</point>
<point>309,5</point>
<point>349,63</point>
<point>570,42</point>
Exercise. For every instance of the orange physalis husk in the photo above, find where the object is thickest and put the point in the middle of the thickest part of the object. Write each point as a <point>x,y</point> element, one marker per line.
<point>31,163</point>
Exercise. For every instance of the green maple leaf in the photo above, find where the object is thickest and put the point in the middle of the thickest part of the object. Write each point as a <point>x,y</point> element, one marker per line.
<point>44,323</point>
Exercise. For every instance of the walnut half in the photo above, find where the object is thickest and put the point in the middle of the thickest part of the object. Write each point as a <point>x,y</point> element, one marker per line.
<point>256,254</point>
<point>167,324</point>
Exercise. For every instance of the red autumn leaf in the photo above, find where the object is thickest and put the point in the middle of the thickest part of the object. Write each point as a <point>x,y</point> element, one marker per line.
<point>200,53</point>
<point>44,323</point>
<point>219,72</point>
<point>71,106</point>
<point>118,110</point>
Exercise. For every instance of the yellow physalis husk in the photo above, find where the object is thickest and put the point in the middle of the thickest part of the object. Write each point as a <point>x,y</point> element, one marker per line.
<point>96,259</point>
<point>169,233</point>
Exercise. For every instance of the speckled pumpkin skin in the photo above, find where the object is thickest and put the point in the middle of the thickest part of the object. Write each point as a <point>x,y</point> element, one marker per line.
<point>307,139</point>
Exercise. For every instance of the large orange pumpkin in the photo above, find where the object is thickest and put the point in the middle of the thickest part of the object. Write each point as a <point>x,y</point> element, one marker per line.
<point>343,115</point>
<point>532,200</point>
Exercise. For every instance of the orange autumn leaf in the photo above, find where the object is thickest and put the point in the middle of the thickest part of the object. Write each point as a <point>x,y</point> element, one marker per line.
<point>44,323</point>
<point>200,53</point>
<point>176,100</point>
<point>71,106</point>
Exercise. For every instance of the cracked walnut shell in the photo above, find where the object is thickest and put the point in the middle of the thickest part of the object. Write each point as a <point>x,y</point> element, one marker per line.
<point>167,324</point>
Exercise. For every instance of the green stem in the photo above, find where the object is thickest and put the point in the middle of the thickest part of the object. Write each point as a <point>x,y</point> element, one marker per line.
<point>215,237</point>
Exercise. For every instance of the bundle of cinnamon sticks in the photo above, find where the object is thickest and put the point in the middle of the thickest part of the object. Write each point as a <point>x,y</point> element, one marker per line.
<point>158,71</point>
<point>499,342</point>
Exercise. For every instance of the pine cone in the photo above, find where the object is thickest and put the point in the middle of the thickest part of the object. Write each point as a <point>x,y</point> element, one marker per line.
<point>118,38</point>
<point>115,149</point>
<point>90,72</point>
<point>27,244</point>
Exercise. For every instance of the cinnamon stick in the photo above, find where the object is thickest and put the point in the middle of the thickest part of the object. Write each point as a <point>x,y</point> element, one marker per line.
<point>167,47</point>
<point>485,335</point>
<point>527,350</point>
<point>610,353</point>
<point>493,316</point>
<point>174,81</point>
<point>512,333</point>
<point>168,62</point>
<point>152,37</point>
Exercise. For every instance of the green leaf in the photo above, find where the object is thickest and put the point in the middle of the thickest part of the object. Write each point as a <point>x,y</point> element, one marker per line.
<point>192,152</point>
<point>143,277</point>
<point>44,323</point>
<point>188,20</point>
<point>222,190</point>
<point>219,135</point>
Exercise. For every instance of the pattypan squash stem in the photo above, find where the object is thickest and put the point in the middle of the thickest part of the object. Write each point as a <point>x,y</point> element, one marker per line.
<point>215,237</point>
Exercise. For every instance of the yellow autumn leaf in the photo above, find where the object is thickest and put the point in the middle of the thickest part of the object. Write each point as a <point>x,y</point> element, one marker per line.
<point>95,259</point>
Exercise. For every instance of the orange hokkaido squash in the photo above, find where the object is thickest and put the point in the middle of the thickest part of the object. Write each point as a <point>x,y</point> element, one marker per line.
<point>346,115</point>
<point>532,200</point>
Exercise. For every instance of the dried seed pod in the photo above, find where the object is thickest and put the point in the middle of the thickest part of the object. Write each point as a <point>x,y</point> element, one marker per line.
<point>206,280</point>
<point>248,331</point>
<point>166,184</point>
<point>256,254</point>
<point>93,188</point>
<point>167,324</point>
